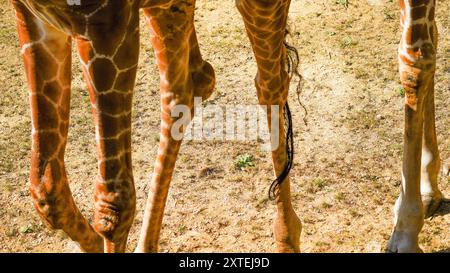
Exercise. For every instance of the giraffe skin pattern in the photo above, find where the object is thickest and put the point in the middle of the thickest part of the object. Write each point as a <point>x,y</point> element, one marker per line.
<point>106,33</point>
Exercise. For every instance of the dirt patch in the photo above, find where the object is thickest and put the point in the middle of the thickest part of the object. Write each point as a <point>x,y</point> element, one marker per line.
<point>347,167</point>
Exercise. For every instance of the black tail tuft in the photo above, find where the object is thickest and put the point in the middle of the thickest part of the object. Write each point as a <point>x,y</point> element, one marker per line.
<point>292,63</point>
<point>273,191</point>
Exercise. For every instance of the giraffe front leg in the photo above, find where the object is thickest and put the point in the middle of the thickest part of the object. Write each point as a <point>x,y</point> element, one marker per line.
<point>170,30</point>
<point>47,56</point>
<point>109,66</point>
<point>266,25</point>
<point>417,59</point>
<point>408,210</point>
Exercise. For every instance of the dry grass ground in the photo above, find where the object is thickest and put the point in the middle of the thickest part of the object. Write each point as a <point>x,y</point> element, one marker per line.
<point>347,168</point>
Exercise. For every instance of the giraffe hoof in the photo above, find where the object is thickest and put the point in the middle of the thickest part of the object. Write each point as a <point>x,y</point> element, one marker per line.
<point>403,242</point>
<point>287,234</point>
<point>431,204</point>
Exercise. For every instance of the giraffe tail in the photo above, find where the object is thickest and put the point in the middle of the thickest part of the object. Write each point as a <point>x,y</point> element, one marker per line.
<point>273,190</point>
<point>292,62</point>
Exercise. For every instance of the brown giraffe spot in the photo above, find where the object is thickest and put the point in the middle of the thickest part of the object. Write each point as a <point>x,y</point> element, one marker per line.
<point>428,51</point>
<point>109,126</point>
<point>64,108</point>
<point>419,31</point>
<point>109,169</point>
<point>107,28</point>
<point>128,53</point>
<point>103,74</point>
<point>125,139</point>
<point>114,102</point>
<point>274,85</point>
<point>48,144</point>
<point>123,82</point>
<point>44,62</point>
<point>47,117</point>
<point>82,227</point>
<point>52,90</point>
<point>78,25</point>
<point>419,12</point>
<point>111,147</point>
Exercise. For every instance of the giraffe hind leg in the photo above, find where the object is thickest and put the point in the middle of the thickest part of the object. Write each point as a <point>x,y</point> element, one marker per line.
<point>265,22</point>
<point>417,63</point>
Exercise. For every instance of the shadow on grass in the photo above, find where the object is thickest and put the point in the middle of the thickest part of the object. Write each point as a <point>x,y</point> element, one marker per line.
<point>443,209</point>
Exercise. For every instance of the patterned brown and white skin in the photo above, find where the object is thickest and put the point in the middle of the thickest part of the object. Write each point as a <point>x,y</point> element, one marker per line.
<point>420,196</point>
<point>106,33</point>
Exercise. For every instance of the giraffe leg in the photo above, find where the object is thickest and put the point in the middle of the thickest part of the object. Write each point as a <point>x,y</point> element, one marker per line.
<point>431,162</point>
<point>266,24</point>
<point>171,30</point>
<point>408,210</point>
<point>417,59</point>
<point>47,56</point>
<point>109,67</point>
